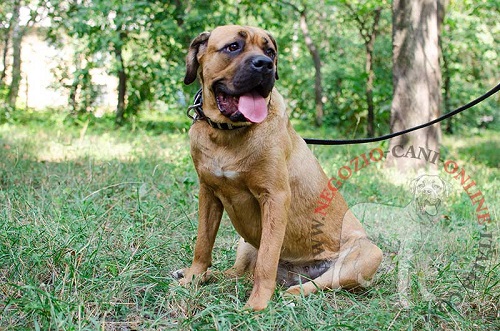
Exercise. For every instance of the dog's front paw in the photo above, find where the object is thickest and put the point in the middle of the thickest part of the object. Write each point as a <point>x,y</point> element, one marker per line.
<point>185,276</point>
<point>185,281</point>
<point>232,273</point>
<point>178,274</point>
<point>256,305</point>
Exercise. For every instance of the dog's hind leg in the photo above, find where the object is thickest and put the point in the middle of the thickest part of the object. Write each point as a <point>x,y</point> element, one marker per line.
<point>246,256</point>
<point>355,266</point>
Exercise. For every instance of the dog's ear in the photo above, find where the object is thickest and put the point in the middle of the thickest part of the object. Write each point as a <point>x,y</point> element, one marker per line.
<point>197,46</point>
<point>276,48</point>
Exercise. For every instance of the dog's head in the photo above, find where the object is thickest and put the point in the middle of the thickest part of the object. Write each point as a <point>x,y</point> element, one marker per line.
<point>237,69</point>
<point>429,192</point>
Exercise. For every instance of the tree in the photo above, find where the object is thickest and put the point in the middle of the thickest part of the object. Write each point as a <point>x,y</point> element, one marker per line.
<point>416,79</point>
<point>471,63</point>
<point>5,30</point>
<point>16,31</point>
<point>122,75</point>
<point>334,56</point>
<point>17,37</point>
<point>367,18</point>
<point>105,27</point>
<point>344,80</point>
<point>314,52</point>
<point>142,44</point>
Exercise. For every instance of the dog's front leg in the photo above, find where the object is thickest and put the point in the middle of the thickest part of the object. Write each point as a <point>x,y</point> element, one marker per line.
<point>274,217</point>
<point>209,216</point>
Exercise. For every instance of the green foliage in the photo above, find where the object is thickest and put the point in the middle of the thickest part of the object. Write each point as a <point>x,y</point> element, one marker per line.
<point>154,36</point>
<point>471,48</point>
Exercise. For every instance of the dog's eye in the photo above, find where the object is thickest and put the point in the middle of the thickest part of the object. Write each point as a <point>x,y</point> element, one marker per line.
<point>271,53</point>
<point>232,47</point>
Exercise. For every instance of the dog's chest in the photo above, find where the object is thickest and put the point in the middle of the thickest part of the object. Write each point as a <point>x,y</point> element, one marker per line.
<point>216,164</point>
<point>220,169</point>
<point>217,168</point>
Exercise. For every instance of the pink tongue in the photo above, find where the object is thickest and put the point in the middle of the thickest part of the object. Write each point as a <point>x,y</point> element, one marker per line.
<point>253,107</point>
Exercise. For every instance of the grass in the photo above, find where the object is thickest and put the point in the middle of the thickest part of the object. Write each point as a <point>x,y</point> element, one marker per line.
<point>93,220</point>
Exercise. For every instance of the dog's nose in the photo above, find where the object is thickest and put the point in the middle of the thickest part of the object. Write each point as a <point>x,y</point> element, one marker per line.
<point>262,64</point>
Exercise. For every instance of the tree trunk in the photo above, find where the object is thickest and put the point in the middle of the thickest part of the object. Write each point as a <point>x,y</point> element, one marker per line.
<point>442,4</point>
<point>368,33</point>
<point>447,95</point>
<point>122,82</point>
<point>447,91</point>
<point>4,56</point>
<point>416,81</point>
<point>369,45</point>
<point>73,91</point>
<point>17,37</point>
<point>370,125</point>
<point>313,50</point>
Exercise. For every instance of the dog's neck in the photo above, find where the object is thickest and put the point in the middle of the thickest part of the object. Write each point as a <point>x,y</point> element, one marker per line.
<point>199,115</point>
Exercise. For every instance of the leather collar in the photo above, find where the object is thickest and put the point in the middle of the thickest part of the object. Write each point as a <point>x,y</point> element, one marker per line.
<point>199,115</point>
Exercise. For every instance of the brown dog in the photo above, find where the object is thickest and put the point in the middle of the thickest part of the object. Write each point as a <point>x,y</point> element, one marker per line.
<point>251,163</point>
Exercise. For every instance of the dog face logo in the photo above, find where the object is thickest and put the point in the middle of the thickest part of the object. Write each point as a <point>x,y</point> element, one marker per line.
<point>429,191</point>
<point>238,71</point>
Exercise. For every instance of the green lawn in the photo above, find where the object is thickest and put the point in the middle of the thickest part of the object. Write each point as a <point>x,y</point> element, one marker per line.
<point>94,220</point>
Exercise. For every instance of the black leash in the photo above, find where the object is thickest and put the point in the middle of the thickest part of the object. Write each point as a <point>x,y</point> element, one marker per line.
<point>395,134</point>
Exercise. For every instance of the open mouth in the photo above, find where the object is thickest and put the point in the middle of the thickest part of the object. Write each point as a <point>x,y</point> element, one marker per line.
<point>249,106</point>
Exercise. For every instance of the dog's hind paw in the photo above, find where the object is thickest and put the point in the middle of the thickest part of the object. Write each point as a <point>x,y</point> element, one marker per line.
<point>294,291</point>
